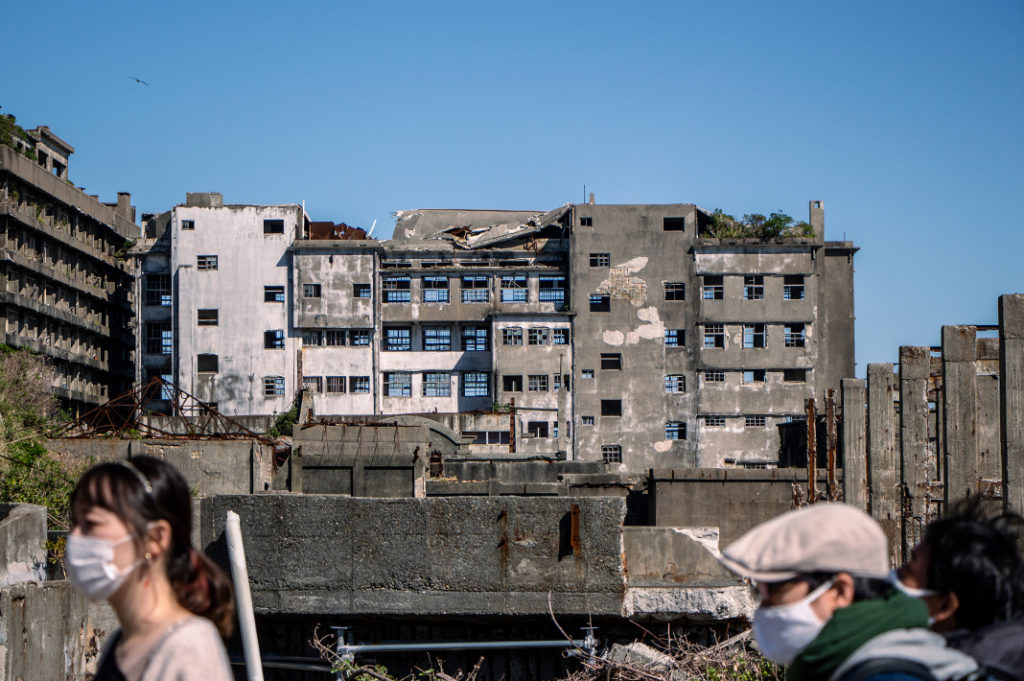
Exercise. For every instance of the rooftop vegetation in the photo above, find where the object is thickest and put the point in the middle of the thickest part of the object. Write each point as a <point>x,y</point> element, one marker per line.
<point>756,226</point>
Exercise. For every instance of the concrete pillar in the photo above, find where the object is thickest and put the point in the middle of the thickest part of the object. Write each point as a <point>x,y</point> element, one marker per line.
<point>855,467</point>
<point>883,464</point>
<point>1011,399</point>
<point>960,397</point>
<point>917,462</point>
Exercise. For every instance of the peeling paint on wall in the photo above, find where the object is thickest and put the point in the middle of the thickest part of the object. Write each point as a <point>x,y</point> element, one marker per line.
<point>614,337</point>
<point>653,330</point>
<point>622,284</point>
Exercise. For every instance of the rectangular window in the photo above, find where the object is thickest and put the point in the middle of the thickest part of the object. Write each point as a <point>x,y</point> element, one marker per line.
<point>795,337</point>
<point>398,384</point>
<point>359,337</point>
<point>675,290</point>
<point>475,338</point>
<point>437,338</point>
<point>273,386</point>
<point>311,290</point>
<point>675,338</point>
<point>437,384</point>
<point>586,222</point>
<point>714,377</point>
<point>675,430</point>
<point>675,383</point>
<point>396,289</point>
<point>513,288</point>
<point>714,336</point>
<point>794,375</point>
<point>475,384</point>
<point>335,384</point>
<point>159,338</point>
<point>754,421</point>
<point>359,384</point>
<point>753,287</point>
<point>435,289</point>
<point>488,437</point>
<point>512,335</point>
<point>793,287</point>
<point>611,407</point>
<point>537,336</point>
<point>556,382</point>
<point>600,259</point>
<point>397,338</point>
<point>206,364</point>
<point>674,224</point>
<point>334,337</point>
<point>158,289</point>
<point>537,383</point>
<point>273,226</point>
<point>313,383</point>
<point>206,262</point>
<point>551,288</point>
<point>586,420</point>
<point>586,373</point>
<point>512,384</point>
<point>560,336</point>
<point>714,422</point>
<point>273,340</point>
<point>600,302</point>
<point>714,288</point>
<point>207,317</point>
<point>755,376</point>
<point>361,291</point>
<point>476,289</point>
<point>537,428</point>
<point>611,360</point>
<point>611,453</point>
<point>312,338</point>
<point>753,336</point>
<point>273,294</point>
<point>188,224</point>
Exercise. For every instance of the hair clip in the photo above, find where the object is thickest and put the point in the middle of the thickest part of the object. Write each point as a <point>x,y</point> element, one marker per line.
<point>138,474</point>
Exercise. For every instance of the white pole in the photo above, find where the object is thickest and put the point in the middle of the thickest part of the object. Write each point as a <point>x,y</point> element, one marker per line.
<point>243,598</point>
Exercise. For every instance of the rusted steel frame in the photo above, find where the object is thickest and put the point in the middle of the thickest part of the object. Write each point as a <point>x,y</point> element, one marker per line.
<point>830,411</point>
<point>812,453</point>
<point>512,426</point>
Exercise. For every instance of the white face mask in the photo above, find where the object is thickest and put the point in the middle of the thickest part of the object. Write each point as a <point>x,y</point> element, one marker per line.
<point>89,563</point>
<point>894,579</point>
<point>782,631</point>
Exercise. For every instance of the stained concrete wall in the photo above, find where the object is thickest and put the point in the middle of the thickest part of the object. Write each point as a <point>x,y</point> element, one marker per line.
<point>22,537</point>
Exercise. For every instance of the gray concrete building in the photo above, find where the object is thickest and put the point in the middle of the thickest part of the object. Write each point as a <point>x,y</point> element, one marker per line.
<point>66,283</point>
<point>625,334</point>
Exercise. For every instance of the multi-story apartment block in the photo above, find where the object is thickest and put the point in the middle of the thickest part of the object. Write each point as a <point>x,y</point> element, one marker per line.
<point>66,281</point>
<point>619,333</point>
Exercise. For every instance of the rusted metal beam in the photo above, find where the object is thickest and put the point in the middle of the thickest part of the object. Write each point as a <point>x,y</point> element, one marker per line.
<point>833,441</point>
<point>512,426</point>
<point>812,453</point>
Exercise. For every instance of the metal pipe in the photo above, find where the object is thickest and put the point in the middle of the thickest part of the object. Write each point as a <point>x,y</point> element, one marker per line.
<point>455,645</point>
<point>243,597</point>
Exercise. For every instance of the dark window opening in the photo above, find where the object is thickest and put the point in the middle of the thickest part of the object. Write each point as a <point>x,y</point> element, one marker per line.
<point>206,364</point>
<point>600,302</point>
<point>611,360</point>
<point>273,226</point>
<point>611,407</point>
<point>674,224</point>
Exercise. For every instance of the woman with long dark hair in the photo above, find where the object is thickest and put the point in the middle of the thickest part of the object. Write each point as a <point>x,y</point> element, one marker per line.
<point>131,545</point>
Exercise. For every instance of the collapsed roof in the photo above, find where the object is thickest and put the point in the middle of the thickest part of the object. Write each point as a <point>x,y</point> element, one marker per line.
<point>471,229</point>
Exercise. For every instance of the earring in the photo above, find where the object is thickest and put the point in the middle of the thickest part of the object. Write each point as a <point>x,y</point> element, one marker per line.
<point>148,556</point>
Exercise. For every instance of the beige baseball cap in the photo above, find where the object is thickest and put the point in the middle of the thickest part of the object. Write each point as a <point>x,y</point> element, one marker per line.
<point>817,538</point>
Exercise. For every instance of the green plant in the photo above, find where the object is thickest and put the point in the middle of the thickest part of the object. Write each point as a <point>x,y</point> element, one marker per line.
<point>122,252</point>
<point>284,422</point>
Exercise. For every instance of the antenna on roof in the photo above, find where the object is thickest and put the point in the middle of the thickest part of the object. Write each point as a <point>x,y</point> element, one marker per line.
<point>584,192</point>
<point>370,233</point>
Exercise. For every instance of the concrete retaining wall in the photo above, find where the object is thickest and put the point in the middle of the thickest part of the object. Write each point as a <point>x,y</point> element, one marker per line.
<point>22,537</point>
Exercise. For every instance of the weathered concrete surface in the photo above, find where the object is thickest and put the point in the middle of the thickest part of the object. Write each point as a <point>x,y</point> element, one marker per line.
<point>883,462</point>
<point>699,603</point>
<point>1011,372</point>
<point>855,463</point>
<point>960,398</point>
<point>22,553</point>
<point>919,462</point>
<point>439,556</point>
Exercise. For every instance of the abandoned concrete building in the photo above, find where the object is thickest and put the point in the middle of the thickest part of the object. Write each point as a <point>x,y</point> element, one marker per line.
<point>67,284</point>
<point>618,333</point>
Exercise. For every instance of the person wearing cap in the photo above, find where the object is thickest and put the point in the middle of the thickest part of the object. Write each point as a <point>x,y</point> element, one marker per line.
<point>827,609</point>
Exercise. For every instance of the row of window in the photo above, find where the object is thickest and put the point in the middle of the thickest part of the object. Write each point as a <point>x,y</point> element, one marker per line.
<point>269,226</point>
<point>535,335</point>
<point>753,287</point>
<point>759,376</point>
<point>755,335</point>
<point>437,383</point>
<point>535,383</point>
<point>718,421</point>
<point>675,291</point>
<point>669,224</point>
<point>334,384</point>
<point>475,288</point>
<point>329,338</point>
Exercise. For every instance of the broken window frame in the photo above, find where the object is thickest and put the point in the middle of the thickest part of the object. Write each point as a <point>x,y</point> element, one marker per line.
<point>675,291</point>
<point>207,262</point>
<point>335,385</point>
<point>476,288</point>
<point>273,339</point>
<point>796,335</point>
<point>586,222</point>
<point>559,336</point>
<point>586,373</point>
<point>675,383</point>
<point>314,383</point>
<point>611,453</point>
<point>714,336</point>
<point>207,317</point>
<point>537,383</point>
<point>515,288</point>
<point>551,288</point>
<point>675,430</point>
<point>397,339</point>
<point>159,338</point>
<point>158,290</point>
<point>600,302</point>
<point>512,335</point>
<point>611,361</point>
<point>476,338</point>
<point>437,338</point>
<point>476,384</point>
<point>537,335</point>
<point>273,386</point>
<point>794,375</point>
<point>713,287</point>
<point>359,337</point>
<point>188,225</point>
<point>537,429</point>
<point>311,290</point>
<point>397,289</point>
<point>362,291</point>
<point>273,294</point>
<point>434,289</point>
<point>437,384</point>
<point>335,338</point>
<point>512,383</point>
<point>754,336</point>
<point>793,287</point>
<point>358,385</point>
<point>675,338</point>
<point>754,376</point>
<point>586,420</point>
<point>600,259</point>
<point>397,384</point>
<point>753,287</point>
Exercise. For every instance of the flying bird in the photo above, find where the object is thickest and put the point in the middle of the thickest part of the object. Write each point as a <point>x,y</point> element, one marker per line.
<point>139,80</point>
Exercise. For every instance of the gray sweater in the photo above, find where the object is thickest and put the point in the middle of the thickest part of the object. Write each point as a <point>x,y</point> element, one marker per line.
<point>191,650</point>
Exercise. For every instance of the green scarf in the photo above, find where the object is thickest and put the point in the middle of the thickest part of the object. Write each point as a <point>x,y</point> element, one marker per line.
<point>852,627</point>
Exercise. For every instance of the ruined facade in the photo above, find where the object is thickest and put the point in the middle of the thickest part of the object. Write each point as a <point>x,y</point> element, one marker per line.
<point>620,333</point>
<point>66,282</point>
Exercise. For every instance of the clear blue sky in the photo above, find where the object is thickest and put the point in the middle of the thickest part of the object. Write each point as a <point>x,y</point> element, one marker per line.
<point>906,118</point>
